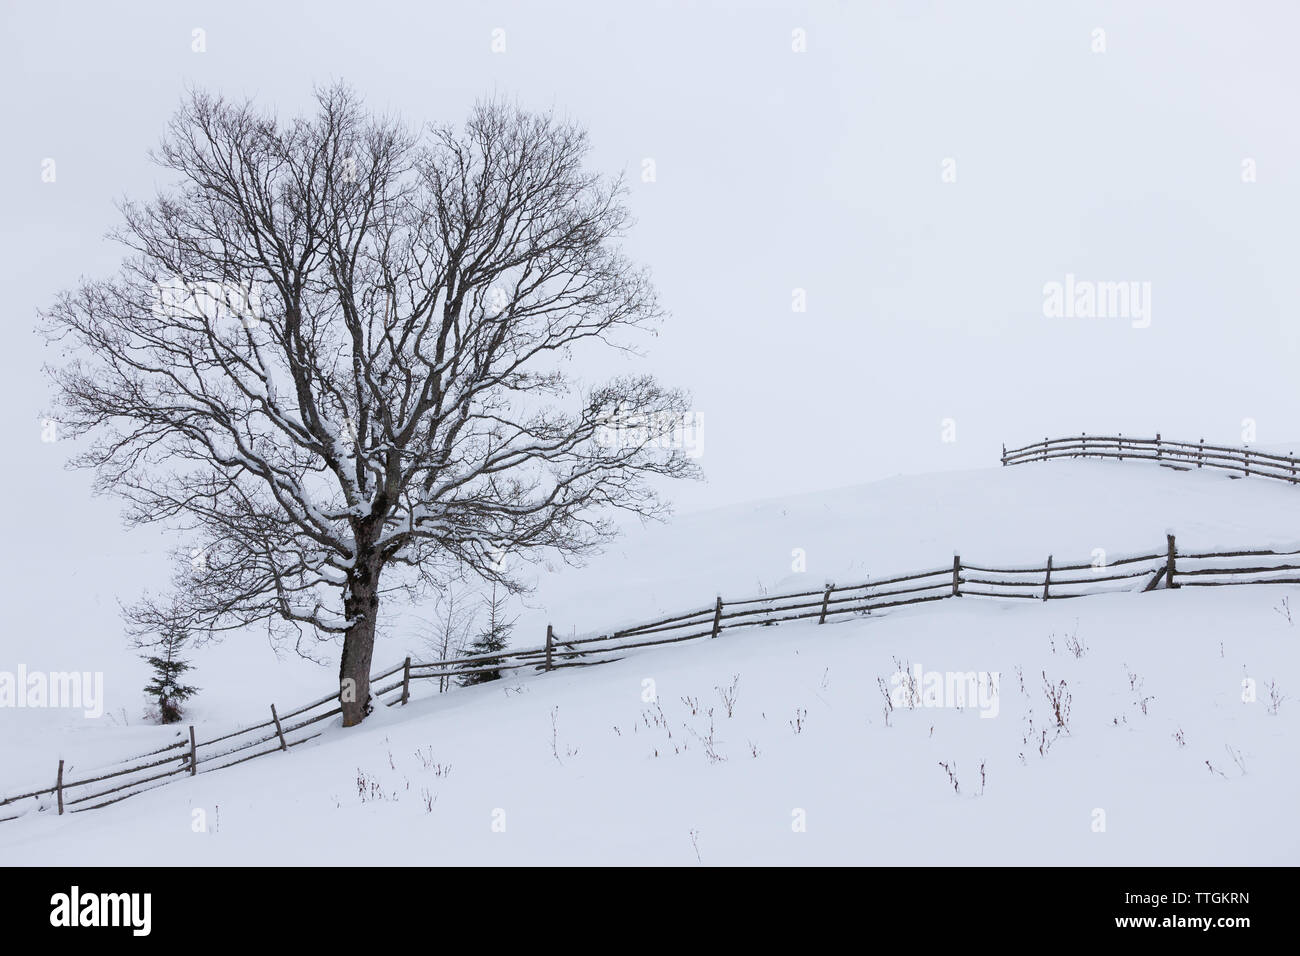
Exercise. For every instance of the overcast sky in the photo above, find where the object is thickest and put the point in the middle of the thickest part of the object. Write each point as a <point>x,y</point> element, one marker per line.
<point>795,147</point>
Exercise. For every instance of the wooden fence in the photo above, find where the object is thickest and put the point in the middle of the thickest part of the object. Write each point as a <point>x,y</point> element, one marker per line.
<point>1050,581</point>
<point>1174,454</point>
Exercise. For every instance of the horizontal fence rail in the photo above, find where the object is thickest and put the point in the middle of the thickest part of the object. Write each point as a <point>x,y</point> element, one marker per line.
<point>1174,454</point>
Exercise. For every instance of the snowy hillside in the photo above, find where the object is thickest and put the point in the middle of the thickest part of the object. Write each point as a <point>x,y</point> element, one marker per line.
<point>787,744</point>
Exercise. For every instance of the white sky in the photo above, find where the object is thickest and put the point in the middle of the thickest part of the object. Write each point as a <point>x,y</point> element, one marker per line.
<point>776,170</point>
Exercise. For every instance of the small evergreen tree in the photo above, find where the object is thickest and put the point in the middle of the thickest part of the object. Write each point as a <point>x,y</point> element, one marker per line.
<point>491,640</point>
<point>166,687</point>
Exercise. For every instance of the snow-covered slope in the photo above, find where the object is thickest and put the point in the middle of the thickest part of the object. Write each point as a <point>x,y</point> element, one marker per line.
<point>995,516</point>
<point>624,763</point>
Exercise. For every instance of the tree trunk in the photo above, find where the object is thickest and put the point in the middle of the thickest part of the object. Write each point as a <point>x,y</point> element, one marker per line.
<point>362,608</point>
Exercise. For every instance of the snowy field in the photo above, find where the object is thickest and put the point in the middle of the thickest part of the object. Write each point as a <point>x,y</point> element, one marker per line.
<point>646,761</point>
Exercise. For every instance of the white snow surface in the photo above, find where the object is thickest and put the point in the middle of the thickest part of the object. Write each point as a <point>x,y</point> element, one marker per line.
<point>612,764</point>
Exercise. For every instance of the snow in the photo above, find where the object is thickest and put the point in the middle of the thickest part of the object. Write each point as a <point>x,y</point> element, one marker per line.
<point>1012,516</point>
<point>582,766</point>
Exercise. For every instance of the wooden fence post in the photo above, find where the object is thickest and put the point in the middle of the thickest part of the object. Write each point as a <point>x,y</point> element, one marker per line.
<point>1200,453</point>
<point>1291,455</point>
<point>1169,563</point>
<point>956,575</point>
<point>1048,579</point>
<point>194,753</point>
<point>1246,458</point>
<point>59,788</point>
<point>1004,454</point>
<point>550,642</point>
<point>826,599</point>
<point>276,717</point>
<point>1158,455</point>
<point>406,680</point>
<point>1119,448</point>
<point>717,617</point>
<point>1083,445</point>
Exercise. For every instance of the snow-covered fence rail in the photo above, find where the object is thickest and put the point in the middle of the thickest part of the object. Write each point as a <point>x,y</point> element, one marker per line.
<point>188,756</point>
<point>185,756</point>
<point>1174,454</point>
<point>1167,567</point>
<point>1217,568</point>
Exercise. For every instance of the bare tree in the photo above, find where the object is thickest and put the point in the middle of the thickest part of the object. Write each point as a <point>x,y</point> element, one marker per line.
<point>446,631</point>
<point>335,356</point>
